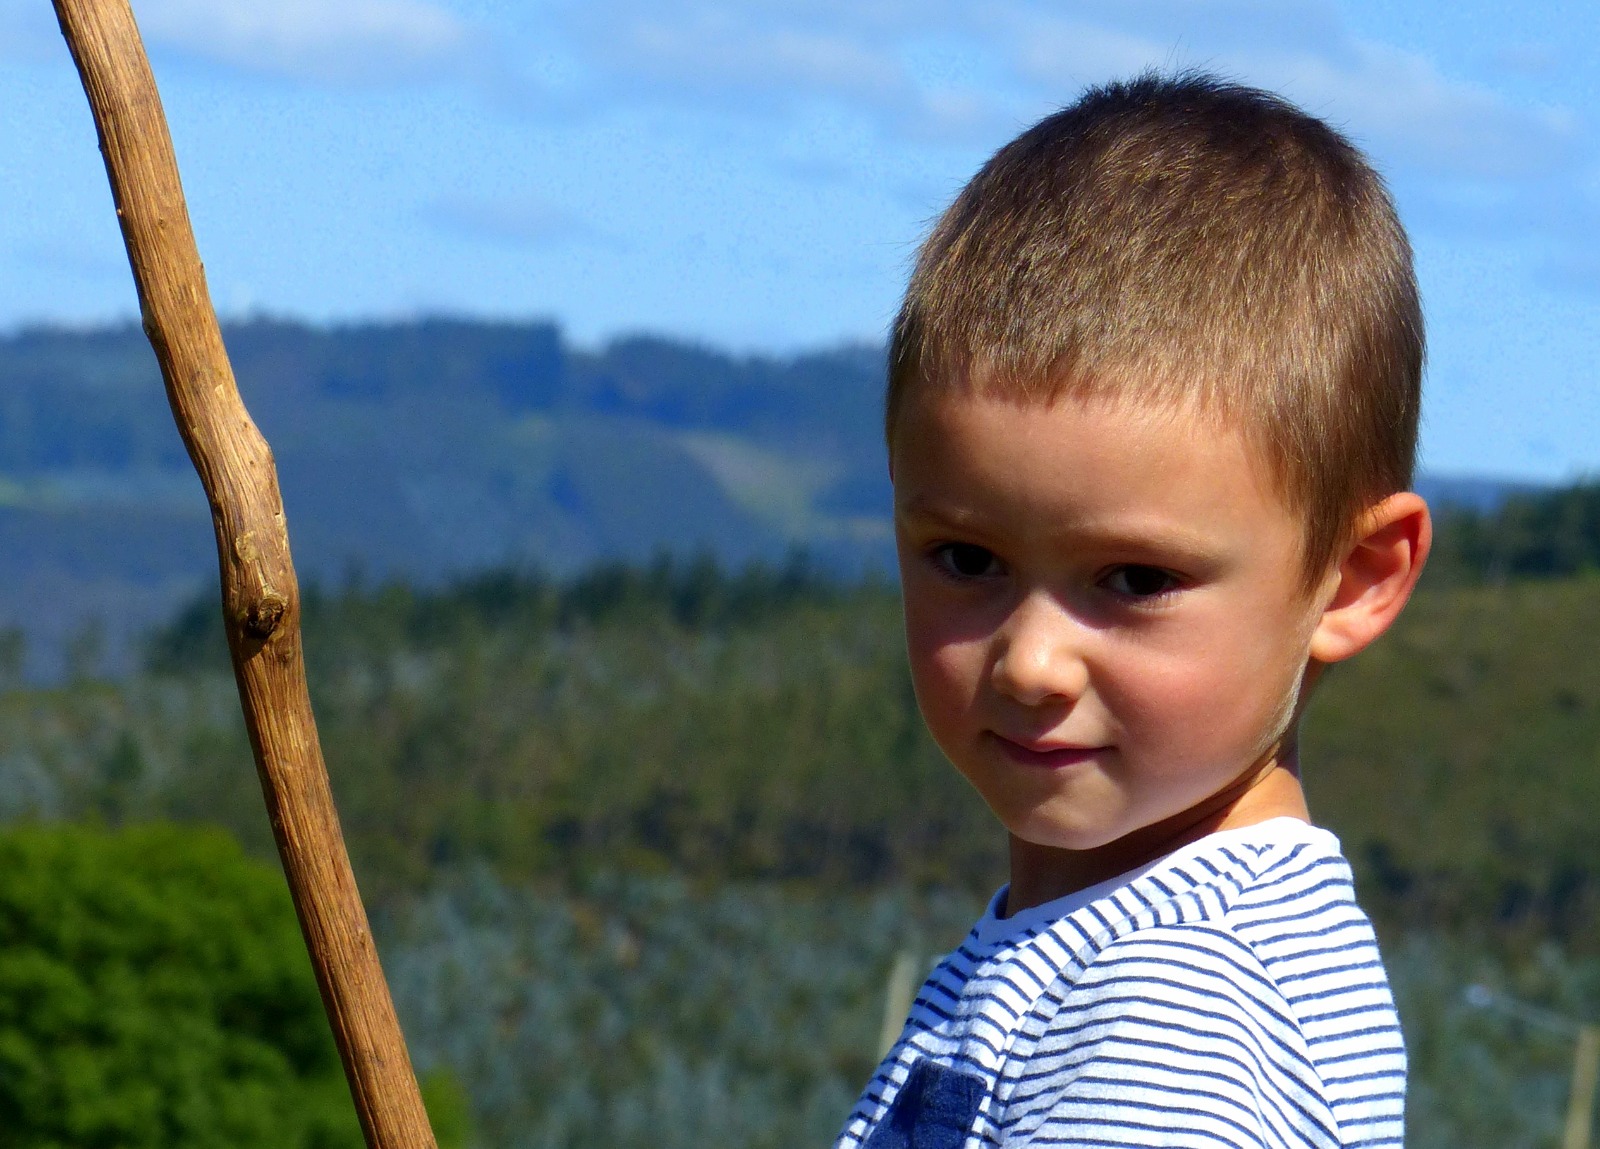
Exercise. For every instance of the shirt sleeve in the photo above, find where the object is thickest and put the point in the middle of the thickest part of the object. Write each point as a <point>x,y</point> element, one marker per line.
<point>1173,1038</point>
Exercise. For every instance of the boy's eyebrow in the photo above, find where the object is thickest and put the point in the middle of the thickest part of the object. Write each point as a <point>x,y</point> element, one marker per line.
<point>923,507</point>
<point>1172,540</point>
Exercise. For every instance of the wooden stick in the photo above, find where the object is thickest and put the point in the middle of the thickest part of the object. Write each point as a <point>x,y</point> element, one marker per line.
<point>1580,1099</point>
<point>260,595</point>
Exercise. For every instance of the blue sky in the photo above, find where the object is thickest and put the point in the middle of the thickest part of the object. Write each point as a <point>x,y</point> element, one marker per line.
<point>756,173</point>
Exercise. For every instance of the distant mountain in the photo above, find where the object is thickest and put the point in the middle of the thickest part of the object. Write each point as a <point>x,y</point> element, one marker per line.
<point>424,449</point>
<point>1482,493</point>
<point>421,450</point>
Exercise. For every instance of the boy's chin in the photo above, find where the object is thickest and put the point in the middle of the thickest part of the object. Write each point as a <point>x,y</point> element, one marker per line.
<point>1046,866</point>
<point>1054,837</point>
<point>1127,839</point>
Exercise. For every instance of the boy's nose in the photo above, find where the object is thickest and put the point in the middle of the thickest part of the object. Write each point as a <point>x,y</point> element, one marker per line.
<point>1040,657</point>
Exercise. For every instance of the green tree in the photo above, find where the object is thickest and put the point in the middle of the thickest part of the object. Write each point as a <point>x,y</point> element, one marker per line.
<point>154,992</point>
<point>13,657</point>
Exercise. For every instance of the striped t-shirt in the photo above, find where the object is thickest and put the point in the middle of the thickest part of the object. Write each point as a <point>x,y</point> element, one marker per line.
<point>1229,994</point>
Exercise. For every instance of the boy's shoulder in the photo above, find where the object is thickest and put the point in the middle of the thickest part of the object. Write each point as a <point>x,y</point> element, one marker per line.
<point>1279,890</point>
<point>1274,893</point>
<point>1242,961</point>
<point>1260,924</point>
<point>1235,980</point>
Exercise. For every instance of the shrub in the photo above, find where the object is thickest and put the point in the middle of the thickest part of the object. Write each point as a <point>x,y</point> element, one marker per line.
<point>154,992</point>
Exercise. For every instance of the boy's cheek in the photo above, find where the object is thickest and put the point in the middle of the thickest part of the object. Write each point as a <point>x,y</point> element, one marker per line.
<point>945,675</point>
<point>940,641</point>
<point>1196,704</point>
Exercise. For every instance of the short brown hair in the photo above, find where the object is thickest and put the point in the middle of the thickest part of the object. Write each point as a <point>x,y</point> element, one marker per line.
<point>1173,240</point>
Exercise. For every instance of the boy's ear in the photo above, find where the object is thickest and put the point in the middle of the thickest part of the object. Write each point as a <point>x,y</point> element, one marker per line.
<point>1376,576</point>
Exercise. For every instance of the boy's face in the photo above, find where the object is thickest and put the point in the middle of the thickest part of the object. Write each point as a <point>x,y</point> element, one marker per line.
<point>1105,612</point>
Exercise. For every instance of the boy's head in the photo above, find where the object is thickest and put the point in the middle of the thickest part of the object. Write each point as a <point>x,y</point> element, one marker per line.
<point>1185,242</point>
<point>1152,410</point>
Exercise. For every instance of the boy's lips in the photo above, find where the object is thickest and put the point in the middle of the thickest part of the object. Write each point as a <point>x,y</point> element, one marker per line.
<point>1045,754</point>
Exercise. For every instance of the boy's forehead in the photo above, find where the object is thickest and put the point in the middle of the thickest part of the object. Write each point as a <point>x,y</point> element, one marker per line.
<point>1030,440</point>
<point>930,412</point>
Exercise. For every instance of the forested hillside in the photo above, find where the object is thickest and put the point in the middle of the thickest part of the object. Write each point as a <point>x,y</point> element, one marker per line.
<point>428,449</point>
<point>421,449</point>
<point>761,725</point>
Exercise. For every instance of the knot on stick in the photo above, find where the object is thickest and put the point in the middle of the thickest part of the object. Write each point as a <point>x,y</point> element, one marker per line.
<point>262,615</point>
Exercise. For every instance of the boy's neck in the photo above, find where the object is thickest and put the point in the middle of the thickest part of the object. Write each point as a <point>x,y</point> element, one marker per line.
<point>1041,874</point>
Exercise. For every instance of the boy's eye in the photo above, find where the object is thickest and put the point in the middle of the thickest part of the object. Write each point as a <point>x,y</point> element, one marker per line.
<point>1136,581</point>
<point>966,560</point>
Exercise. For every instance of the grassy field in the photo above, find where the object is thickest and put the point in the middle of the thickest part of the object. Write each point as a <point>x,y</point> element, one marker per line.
<point>1458,759</point>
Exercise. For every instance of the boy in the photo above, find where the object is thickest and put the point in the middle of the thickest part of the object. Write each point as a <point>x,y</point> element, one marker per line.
<point>1152,413</point>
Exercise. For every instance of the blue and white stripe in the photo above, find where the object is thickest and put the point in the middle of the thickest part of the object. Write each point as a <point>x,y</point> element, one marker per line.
<point>1229,995</point>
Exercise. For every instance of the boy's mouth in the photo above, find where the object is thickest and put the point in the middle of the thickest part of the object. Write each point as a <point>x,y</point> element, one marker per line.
<point>1043,753</point>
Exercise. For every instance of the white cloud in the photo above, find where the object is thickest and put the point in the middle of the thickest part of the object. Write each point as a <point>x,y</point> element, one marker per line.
<point>769,57</point>
<point>732,56</point>
<point>775,57</point>
<point>719,55</point>
<point>338,41</point>
<point>1402,107</point>
<point>1492,163</point>
<point>1396,103</point>
<point>762,56</point>
<point>950,72</point>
